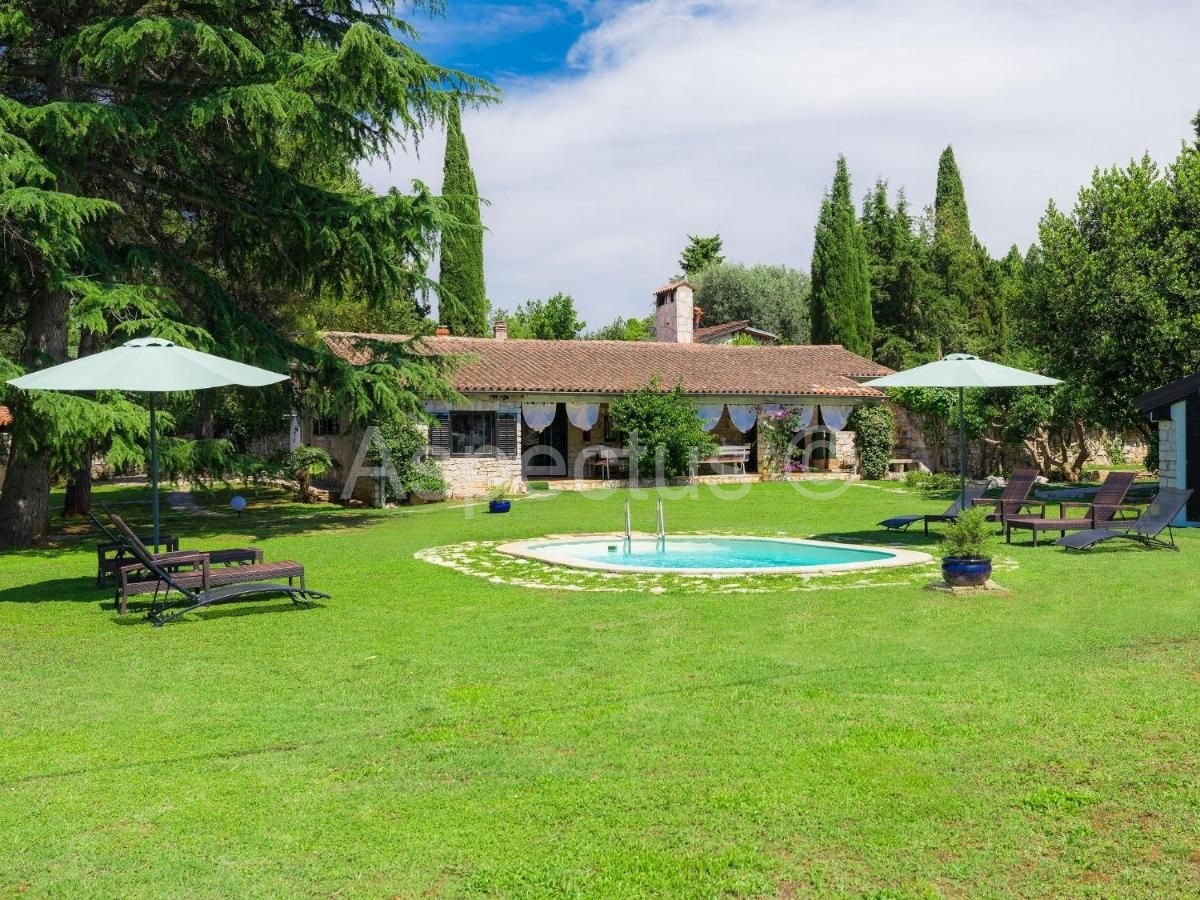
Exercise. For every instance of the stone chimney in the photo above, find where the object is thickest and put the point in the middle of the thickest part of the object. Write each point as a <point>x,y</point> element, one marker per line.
<point>673,313</point>
<point>500,330</point>
<point>441,331</point>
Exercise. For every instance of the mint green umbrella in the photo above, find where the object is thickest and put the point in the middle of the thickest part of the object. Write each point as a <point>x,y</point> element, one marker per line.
<point>152,365</point>
<point>962,370</point>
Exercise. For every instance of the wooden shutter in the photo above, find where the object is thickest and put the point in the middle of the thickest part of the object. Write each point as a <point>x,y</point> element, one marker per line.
<point>506,434</point>
<point>439,435</point>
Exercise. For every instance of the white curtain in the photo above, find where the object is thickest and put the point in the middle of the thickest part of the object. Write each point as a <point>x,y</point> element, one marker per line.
<point>743,417</point>
<point>538,416</point>
<point>835,417</point>
<point>709,415</point>
<point>806,416</point>
<point>583,415</point>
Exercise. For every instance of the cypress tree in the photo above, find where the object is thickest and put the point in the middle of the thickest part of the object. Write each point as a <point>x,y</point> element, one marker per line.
<point>966,275</point>
<point>463,305</point>
<point>841,281</point>
<point>951,220</point>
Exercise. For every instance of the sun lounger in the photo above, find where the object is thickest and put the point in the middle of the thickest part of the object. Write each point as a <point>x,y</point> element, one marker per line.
<point>202,585</point>
<point>901,523</point>
<point>136,579</point>
<point>1014,497</point>
<point>1102,509</point>
<point>1145,529</point>
<point>112,553</point>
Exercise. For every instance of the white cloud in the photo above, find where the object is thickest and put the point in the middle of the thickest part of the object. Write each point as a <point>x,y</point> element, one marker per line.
<point>726,116</point>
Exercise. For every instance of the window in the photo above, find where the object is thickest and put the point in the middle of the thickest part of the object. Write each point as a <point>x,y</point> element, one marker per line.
<point>471,431</point>
<point>327,426</point>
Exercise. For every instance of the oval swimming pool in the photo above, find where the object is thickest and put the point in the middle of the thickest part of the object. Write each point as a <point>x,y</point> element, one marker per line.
<point>710,555</point>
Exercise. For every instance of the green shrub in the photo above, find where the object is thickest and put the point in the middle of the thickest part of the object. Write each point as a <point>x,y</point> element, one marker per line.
<point>969,536</point>
<point>427,479</point>
<point>874,435</point>
<point>933,482</point>
<point>406,444</point>
<point>665,425</point>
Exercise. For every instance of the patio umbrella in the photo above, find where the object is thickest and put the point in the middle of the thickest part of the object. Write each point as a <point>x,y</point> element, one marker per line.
<point>152,365</point>
<point>962,370</point>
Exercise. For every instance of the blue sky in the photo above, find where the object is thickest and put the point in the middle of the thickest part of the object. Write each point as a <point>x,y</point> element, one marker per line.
<point>626,126</point>
<point>506,41</point>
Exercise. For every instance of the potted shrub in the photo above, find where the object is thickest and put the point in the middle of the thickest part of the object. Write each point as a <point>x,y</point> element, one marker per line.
<point>498,500</point>
<point>965,559</point>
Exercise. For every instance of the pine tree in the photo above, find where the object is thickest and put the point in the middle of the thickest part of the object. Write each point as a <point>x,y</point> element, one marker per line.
<point>841,281</point>
<point>700,253</point>
<point>895,258</point>
<point>157,174</point>
<point>463,307</point>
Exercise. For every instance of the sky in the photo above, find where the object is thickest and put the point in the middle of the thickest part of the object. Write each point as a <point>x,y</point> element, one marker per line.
<point>626,126</point>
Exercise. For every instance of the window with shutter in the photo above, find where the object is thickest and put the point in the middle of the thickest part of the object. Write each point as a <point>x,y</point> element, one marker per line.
<point>506,434</point>
<point>439,435</point>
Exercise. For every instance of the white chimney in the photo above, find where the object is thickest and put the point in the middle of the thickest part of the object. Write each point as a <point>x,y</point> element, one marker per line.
<point>500,330</point>
<point>673,313</point>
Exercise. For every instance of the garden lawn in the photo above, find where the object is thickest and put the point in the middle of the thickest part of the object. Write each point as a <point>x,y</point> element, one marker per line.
<point>428,732</point>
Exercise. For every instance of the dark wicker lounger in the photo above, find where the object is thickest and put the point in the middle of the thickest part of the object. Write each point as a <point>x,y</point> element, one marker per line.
<point>1014,497</point>
<point>1157,518</point>
<point>1099,512</point>
<point>112,554</point>
<point>204,586</point>
<point>901,523</point>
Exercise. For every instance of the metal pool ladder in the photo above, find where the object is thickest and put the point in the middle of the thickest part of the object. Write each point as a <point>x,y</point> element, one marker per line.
<point>660,541</point>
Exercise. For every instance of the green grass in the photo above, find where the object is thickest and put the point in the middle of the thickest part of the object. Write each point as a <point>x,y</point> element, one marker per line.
<point>430,732</point>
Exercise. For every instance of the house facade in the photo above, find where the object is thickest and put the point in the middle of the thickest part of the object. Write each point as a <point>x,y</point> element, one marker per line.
<point>534,410</point>
<point>1175,409</point>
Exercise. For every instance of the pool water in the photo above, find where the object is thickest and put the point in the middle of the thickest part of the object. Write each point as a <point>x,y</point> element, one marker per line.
<point>714,555</point>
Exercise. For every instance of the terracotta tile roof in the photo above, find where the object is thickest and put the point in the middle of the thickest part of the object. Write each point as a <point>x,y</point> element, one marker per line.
<point>615,367</point>
<point>715,332</point>
<point>5,416</point>
<point>671,286</point>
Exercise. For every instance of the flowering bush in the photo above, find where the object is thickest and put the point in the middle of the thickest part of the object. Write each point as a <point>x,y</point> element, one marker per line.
<point>780,433</point>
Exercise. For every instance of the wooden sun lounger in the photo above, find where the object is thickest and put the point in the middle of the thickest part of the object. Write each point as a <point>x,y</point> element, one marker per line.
<point>901,523</point>
<point>1145,529</point>
<point>203,585</point>
<point>1101,510</point>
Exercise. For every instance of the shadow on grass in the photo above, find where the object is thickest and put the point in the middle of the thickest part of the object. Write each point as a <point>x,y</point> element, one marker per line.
<point>234,609</point>
<point>57,590</point>
<point>913,538</point>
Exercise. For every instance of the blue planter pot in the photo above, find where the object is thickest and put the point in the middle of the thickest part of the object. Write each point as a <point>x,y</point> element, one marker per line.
<point>499,506</point>
<point>966,572</point>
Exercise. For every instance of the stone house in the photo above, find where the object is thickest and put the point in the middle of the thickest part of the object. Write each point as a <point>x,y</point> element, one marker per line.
<point>536,410</point>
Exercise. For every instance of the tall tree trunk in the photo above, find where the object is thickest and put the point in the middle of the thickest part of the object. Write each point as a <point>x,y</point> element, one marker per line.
<point>25,502</point>
<point>78,499</point>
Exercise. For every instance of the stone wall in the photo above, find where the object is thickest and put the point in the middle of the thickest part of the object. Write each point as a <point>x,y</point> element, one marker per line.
<point>1170,453</point>
<point>472,477</point>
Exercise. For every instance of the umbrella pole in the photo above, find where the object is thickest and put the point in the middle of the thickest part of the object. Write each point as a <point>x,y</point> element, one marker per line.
<point>962,454</point>
<point>154,469</point>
